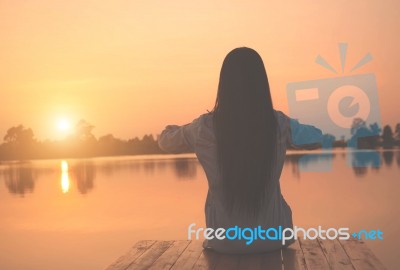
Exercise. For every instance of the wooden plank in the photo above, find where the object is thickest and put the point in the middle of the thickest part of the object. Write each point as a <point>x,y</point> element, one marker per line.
<point>125,260</point>
<point>335,255</point>
<point>169,257</point>
<point>227,262</point>
<point>293,257</point>
<point>301,255</point>
<point>189,256</point>
<point>360,255</point>
<point>208,260</point>
<point>272,260</point>
<point>150,255</point>
<point>250,261</point>
<point>313,255</point>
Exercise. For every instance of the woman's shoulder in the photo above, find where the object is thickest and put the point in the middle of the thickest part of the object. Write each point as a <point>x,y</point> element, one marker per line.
<point>206,128</point>
<point>281,117</point>
<point>206,120</point>
<point>283,122</point>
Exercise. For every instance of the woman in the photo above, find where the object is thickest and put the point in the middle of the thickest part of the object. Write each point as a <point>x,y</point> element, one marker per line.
<point>241,145</point>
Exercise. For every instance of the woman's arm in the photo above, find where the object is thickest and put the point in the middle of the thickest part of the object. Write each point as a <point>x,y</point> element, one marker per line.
<point>179,139</point>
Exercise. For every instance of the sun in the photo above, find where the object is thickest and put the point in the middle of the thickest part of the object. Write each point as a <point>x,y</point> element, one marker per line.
<point>64,124</point>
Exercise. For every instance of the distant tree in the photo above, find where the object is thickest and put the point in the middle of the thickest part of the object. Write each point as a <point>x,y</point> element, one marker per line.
<point>375,129</point>
<point>148,139</point>
<point>148,144</point>
<point>363,136</point>
<point>358,124</point>
<point>341,142</point>
<point>109,145</point>
<point>83,131</point>
<point>107,139</point>
<point>19,135</point>
<point>135,140</point>
<point>11,135</point>
<point>387,137</point>
<point>328,140</point>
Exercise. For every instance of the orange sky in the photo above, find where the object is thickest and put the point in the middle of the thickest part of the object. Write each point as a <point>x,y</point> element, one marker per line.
<point>131,67</point>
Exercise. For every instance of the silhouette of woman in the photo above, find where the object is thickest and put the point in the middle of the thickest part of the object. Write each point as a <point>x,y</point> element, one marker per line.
<point>241,145</point>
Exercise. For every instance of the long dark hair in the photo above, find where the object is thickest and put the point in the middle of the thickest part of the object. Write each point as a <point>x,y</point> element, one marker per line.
<point>246,131</point>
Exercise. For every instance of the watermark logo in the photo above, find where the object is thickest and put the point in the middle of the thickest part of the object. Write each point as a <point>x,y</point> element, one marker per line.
<point>368,235</point>
<point>344,108</point>
<point>285,235</point>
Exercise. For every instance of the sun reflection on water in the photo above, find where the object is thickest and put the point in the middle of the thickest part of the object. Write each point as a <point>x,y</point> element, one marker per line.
<point>65,183</point>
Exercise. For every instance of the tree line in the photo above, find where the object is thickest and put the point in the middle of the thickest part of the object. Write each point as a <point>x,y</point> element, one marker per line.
<point>20,143</point>
<point>365,136</point>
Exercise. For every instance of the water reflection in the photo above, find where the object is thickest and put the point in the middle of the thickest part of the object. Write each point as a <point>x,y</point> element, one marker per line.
<point>320,162</point>
<point>64,177</point>
<point>364,159</point>
<point>80,175</point>
<point>19,180</point>
<point>388,158</point>
<point>361,162</point>
<point>149,166</point>
<point>84,173</point>
<point>185,169</point>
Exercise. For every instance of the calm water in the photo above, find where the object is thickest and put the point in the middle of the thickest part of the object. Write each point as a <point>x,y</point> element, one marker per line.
<point>83,214</point>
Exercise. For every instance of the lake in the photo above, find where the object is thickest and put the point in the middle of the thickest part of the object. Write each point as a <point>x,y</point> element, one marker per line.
<point>83,214</point>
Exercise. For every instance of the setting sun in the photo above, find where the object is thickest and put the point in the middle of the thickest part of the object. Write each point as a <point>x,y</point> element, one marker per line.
<point>64,124</point>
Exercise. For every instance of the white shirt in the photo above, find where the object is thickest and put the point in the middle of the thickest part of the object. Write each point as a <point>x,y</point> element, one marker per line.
<point>199,137</point>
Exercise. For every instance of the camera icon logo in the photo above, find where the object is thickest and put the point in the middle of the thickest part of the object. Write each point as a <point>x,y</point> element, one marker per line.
<point>359,107</point>
<point>345,108</point>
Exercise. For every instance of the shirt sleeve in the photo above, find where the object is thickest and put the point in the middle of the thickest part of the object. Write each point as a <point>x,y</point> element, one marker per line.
<point>303,135</point>
<point>298,134</point>
<point>179,139</point>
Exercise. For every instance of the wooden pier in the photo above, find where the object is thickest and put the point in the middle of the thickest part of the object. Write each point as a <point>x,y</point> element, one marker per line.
<point>303,254</point>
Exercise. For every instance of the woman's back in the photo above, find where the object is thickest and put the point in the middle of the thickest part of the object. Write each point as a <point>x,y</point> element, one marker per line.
<point>199,136</point>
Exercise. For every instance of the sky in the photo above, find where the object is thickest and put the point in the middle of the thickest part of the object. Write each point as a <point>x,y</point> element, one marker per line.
<point>132,67</point>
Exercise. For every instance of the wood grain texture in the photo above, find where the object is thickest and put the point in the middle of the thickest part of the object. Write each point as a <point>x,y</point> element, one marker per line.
<point>293,257</point>
<point>148,257</point>
<point>335,255</point>
<point>313,254</point>
<point>189,256</point>
<point>169,257</point>
<point>301,255</point>
<point>124,261</point>
<point>360,255</point>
